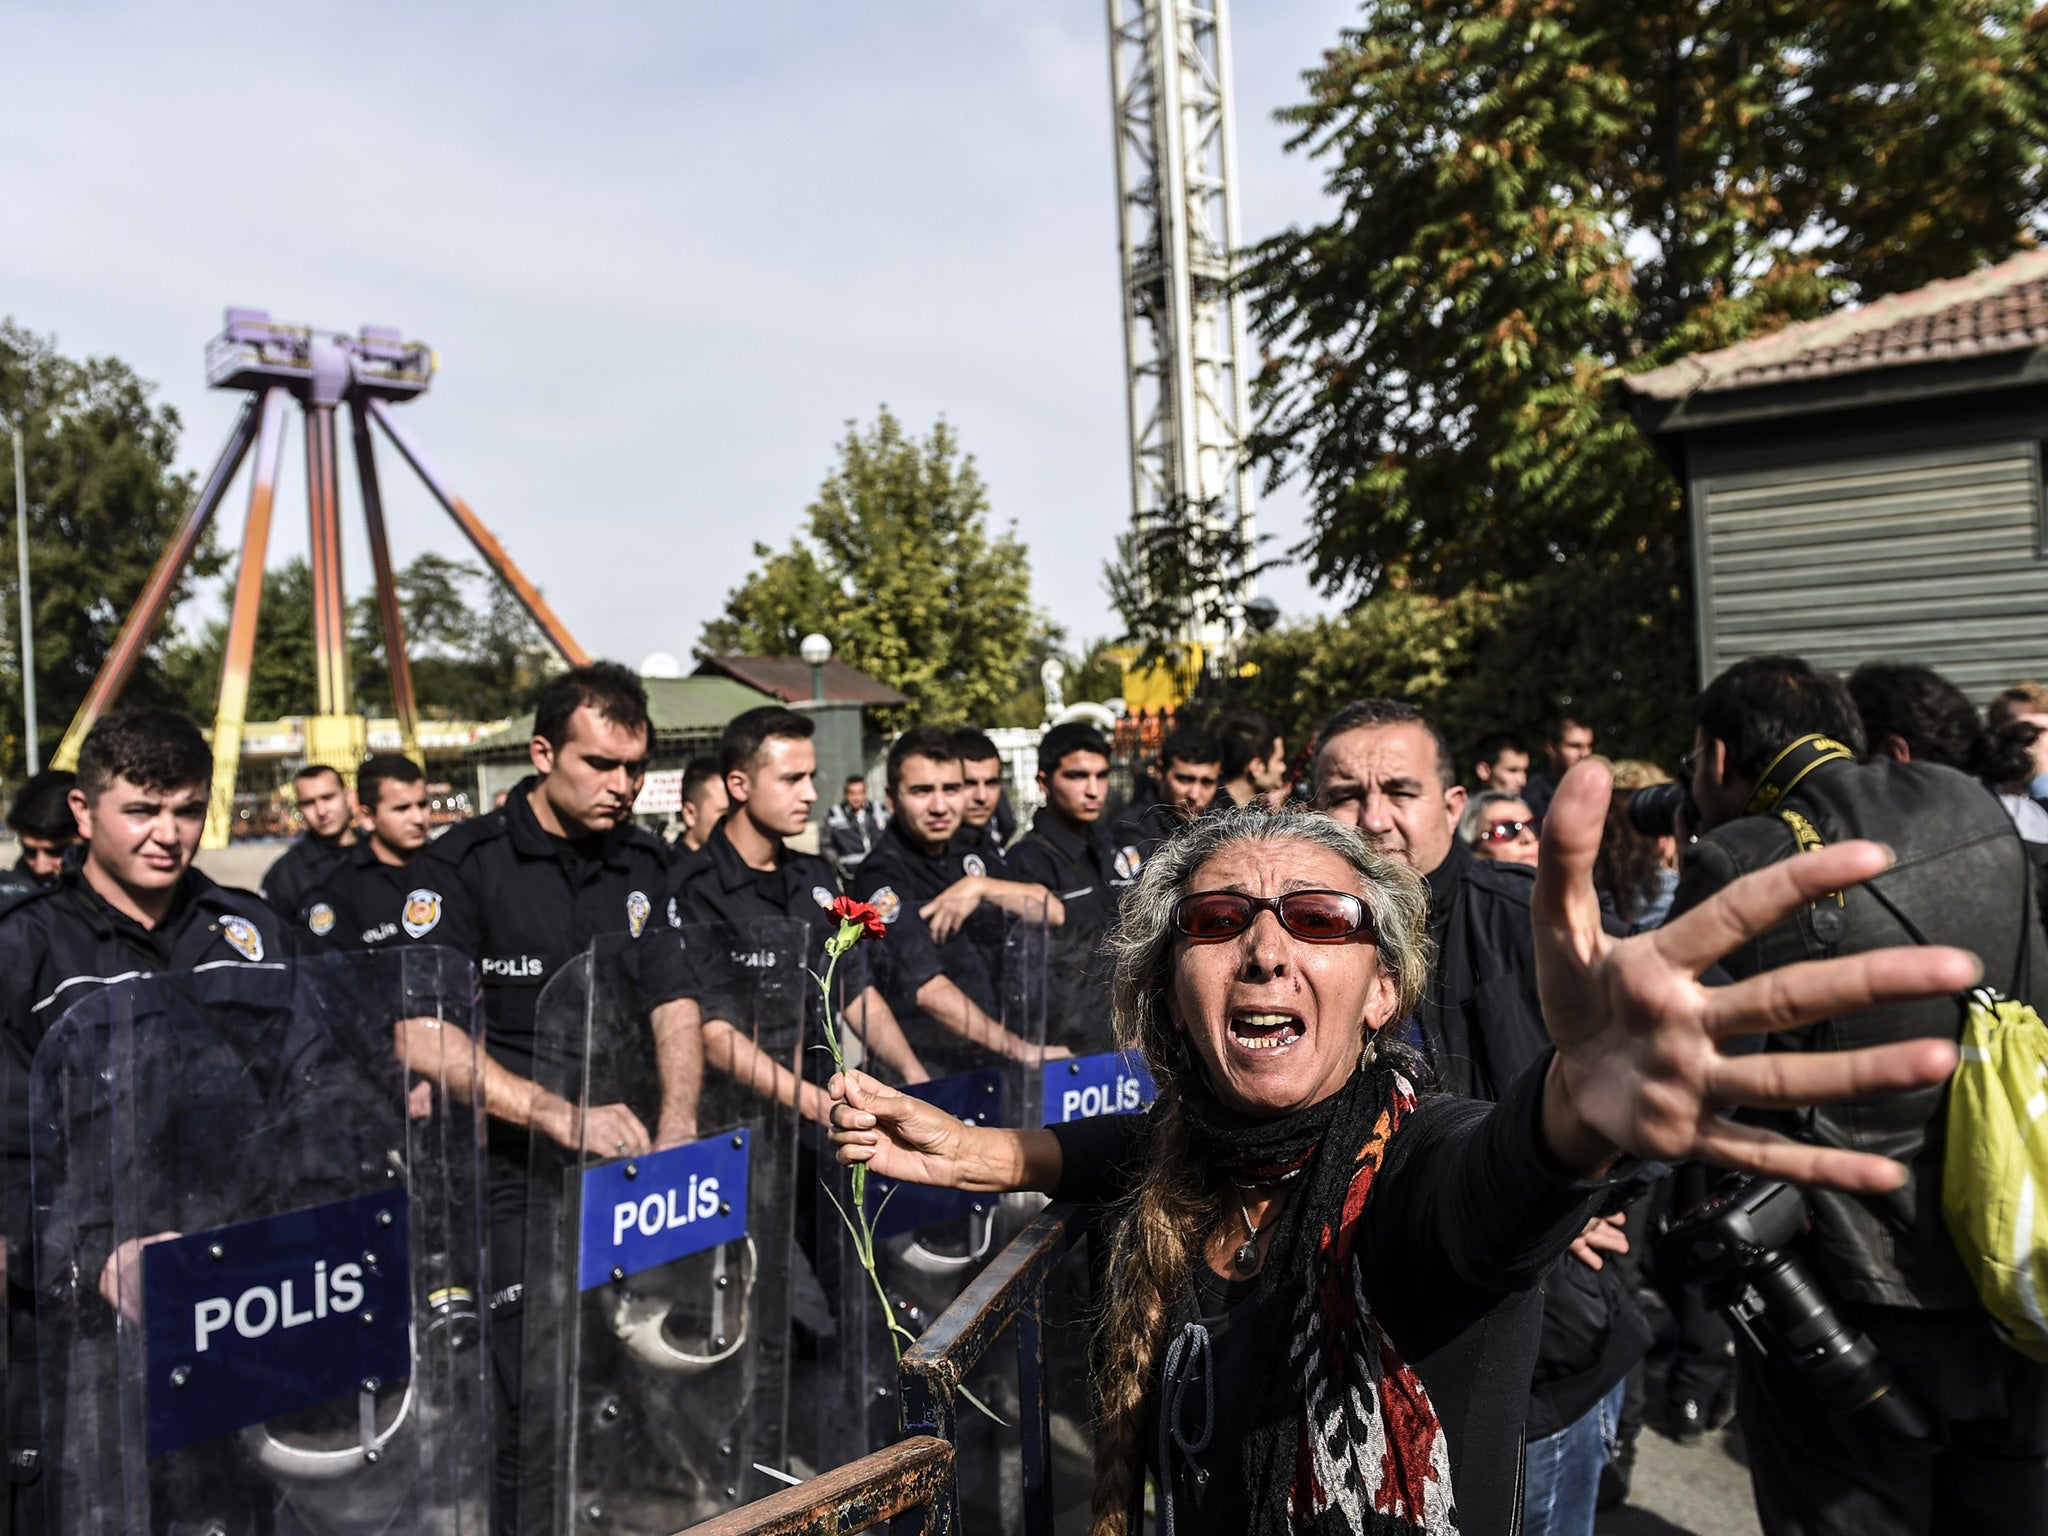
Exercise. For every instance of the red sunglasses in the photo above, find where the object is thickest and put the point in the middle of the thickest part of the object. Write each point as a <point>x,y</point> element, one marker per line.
<point>1319,917</point>
<point>1508,831</point>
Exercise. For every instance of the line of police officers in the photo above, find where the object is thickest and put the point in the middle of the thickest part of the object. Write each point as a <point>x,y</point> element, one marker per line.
<point>525,888</point>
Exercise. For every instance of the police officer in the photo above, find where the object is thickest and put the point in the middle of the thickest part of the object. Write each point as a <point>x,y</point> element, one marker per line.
<point>944,951</point>
<point>1070,853</point>
<point>703,805</point>
<point>851,827</point>
<point>747,873</point>
<point>42,823</point>
<point>133,904</point>
<point>365,897</point>
<point>1190,767</point>
<point>329,815</point>
<point>982,805</point>
<point>523,890</point>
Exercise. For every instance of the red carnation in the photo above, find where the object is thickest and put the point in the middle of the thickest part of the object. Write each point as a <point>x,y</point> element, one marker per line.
<point>847,910</point>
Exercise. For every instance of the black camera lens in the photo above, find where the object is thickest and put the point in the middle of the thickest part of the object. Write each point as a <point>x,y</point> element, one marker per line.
<point>1654,811</point>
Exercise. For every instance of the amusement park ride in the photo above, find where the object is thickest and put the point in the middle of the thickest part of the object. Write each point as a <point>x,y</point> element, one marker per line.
<point>323,371</point>
<point>1186,374</point>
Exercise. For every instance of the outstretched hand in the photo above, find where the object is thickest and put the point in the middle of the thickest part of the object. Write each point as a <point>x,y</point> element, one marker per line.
<point>1639,1066</point>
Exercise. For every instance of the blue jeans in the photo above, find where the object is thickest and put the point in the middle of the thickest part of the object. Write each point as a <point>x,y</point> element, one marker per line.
<point>1562,1488</point>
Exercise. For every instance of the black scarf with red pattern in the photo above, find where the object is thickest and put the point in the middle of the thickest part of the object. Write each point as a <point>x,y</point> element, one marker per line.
<point>1346,1439</point>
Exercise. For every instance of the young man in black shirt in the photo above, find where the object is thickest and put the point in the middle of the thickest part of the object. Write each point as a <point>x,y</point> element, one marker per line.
<point>523,890</point>
<point>1071,853</point>
<point>370,897</point>
<point>748,873</point>
<point>943,954</point>
<point>1190,768</point>
<point>704,805</point>
<point>42,823</point>
<point>982,805</point>
<point>133,905</point>
<point>329,815</point>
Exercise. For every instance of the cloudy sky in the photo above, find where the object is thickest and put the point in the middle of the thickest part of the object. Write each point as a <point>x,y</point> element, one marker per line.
<point>665,252</point>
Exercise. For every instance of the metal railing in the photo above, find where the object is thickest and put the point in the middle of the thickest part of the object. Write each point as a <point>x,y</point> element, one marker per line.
<point>913,1476</point>
<point>918,1476</point>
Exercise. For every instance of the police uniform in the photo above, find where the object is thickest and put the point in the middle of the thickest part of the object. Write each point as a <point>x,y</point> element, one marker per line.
<point>986,844</point>
<point>718,887</point>
<point>897,879</point>
<point>56,944</point>
<point>521,904</point>
<point>360,902</point>
<point>1089,871</point>
<point>298,869</point>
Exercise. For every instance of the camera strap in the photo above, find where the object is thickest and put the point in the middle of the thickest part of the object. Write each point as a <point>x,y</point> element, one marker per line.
<point>1790,767</point>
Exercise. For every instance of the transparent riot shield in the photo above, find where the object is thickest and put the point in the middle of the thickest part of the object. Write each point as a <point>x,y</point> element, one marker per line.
<point>932,1242</point>
<point>656,1307</point>
<point>258,1250</point>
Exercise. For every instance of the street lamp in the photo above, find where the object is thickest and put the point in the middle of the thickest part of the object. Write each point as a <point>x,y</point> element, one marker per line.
<point>816,650</point>
<point>28,640</point>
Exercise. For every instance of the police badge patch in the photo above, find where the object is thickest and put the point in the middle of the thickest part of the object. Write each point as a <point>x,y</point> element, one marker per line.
<point>822,897</point>
<point>637,908</point>
<point>973,865</point>
<point>1128,862</point>
<point>320,919</point>
<point>888,903</point>
<point>422,912</point>
<point>243,934</point>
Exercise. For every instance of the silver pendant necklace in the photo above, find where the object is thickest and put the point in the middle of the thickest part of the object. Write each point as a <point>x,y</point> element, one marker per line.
<point>1246,1259</point>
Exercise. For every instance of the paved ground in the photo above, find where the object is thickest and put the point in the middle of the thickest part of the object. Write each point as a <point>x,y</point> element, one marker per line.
<point>242,864</point>
<point>1700,1490</point>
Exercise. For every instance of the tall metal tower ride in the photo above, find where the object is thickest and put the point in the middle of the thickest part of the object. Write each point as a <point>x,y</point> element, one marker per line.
<point>1184,339</point>
<point>323,371</point>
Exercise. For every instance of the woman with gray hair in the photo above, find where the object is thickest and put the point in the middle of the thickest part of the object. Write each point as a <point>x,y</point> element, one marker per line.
<point>1318,1315</point>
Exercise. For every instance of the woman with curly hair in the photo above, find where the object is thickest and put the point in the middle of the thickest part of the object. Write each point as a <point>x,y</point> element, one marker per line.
<point>1319,1315</point>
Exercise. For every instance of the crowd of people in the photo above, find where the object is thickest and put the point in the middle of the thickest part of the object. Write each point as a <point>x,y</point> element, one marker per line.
<point>1532,1049</point>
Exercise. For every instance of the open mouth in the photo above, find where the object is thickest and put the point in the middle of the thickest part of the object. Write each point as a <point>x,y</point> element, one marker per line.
<point>1265,1031</point>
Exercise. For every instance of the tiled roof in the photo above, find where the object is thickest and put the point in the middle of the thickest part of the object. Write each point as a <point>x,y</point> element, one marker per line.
<point>2000,309</point>
<point>789,679</point>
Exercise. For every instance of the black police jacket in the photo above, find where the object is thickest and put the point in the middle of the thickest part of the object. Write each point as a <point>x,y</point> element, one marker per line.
<point>357,901</point>
<point>522,904</point>
<point>1961,877</point>
<point>288,882</point>
<point>1481,1025</point>
<point>57,943</point>
<point>717,888</point>
<point>897,880</point>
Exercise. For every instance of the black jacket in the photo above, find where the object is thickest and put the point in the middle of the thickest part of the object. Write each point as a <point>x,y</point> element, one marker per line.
<point>1961,877</point>
<point>1482,1027</point>
<point>1469,1209</point>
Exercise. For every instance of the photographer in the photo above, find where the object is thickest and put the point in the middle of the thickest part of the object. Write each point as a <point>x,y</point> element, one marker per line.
<point>1773,769</point>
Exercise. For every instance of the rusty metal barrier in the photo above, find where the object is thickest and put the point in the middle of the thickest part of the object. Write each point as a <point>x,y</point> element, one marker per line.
<point>916,1478</point>
<point>1010,1290</point>
<point>913,1477</point>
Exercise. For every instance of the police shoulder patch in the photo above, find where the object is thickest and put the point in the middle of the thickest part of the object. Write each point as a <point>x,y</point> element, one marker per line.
<point>244,935</point>
<point>822,897</point>
<point>974,865</point>
<point>422,912</point>
<point>888,903</point>
<point>320,919</point>
<point>1128,862</point>
<point>637,908</point>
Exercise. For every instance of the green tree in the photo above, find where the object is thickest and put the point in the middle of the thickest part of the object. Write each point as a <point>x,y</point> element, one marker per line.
<point>1531,199</point>
<point>897,566</point>
<point>476,654</point>
<point>103,501</point>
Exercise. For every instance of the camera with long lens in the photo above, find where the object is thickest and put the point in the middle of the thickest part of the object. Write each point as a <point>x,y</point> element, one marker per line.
<point>1653,810</point>
<point>1739,1247</point>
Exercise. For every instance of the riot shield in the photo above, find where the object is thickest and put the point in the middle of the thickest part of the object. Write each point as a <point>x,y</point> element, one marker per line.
<point>258,1252</point>
<point>656,1308</point>
<point>932,1242</point>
